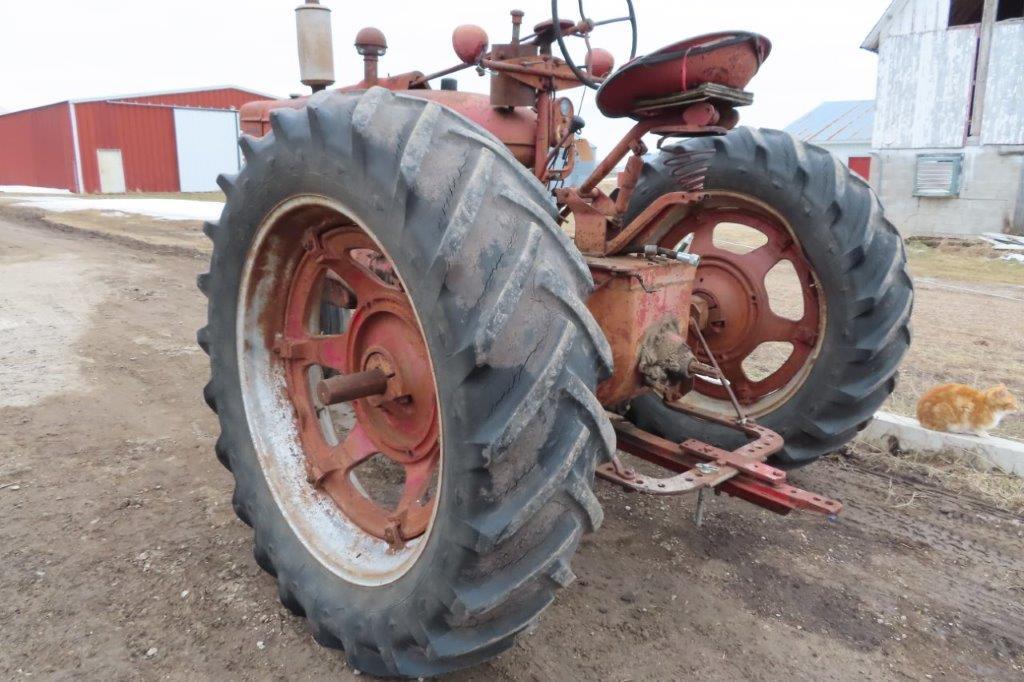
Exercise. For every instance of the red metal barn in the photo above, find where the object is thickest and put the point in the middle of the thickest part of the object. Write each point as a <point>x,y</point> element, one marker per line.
<point>160,142</point>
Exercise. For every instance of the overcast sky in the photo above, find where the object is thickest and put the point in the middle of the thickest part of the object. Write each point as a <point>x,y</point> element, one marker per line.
<point>60,49</point>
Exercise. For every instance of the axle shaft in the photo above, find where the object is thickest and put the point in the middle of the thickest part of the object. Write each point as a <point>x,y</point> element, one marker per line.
<point>347,387</point>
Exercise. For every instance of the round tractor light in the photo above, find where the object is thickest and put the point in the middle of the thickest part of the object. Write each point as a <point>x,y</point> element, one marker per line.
<point>600,62</point>
<point>470,42</point>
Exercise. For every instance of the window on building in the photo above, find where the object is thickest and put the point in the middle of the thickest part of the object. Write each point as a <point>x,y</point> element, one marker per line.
<point>1010,9</point>
<point>965,12</point>
<point>938,175</point>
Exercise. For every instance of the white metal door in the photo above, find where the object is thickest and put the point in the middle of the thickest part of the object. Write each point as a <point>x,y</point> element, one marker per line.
<point>207,143</point>
<point>111,167</point>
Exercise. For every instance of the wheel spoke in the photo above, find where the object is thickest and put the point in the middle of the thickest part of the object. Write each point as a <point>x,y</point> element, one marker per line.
<point>337,294</point>
<point>353,451</point>
<point>337,255</point>
<point>759,262</point>
<point>703,239</point>
<point>737,378</point>
<point>418,476</point>
<point>605,22</point>
<point>733,370</point>
<point>357,448</point>
<point>775,328</point>
<point>362,283</point>
<point>328,459</point>
<point>324,350</point>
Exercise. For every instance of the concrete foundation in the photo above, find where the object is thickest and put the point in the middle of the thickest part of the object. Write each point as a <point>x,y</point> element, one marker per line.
<point>887,430</point>
<point>990,191</point>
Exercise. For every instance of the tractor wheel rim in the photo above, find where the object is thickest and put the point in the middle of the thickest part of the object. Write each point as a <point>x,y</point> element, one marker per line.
<point>307,251</point>
<point>740,316</point>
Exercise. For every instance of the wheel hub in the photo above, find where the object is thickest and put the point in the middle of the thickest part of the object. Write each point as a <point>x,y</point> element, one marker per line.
<point>402,421</point>
<point>735,304</point>
<point>380,365</point>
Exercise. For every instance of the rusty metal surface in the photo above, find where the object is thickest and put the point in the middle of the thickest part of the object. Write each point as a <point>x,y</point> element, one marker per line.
<point>535,72</point>
<point>680,484</point>
<point>733,289</point>
<point>255,115</point>
<point>383,367</point>
<point>343,388</point>
<point>469,42</point>
<point>731,59</point>
<point>507,91</point>
<point>667,208</point>
<point>371,44</point>
<point>631,296</point>
<point>516,128</point>
<point>600,62</point>
<point>665,361</point>
<point>741,473</point>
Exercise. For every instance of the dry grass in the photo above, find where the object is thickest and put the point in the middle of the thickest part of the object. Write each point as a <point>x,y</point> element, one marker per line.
<point>958,262</point>
<point>962,473</point>
<point>155,231</point>
<point>970,337</point>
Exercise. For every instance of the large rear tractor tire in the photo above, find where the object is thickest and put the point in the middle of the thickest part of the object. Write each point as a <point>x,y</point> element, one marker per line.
<point>853,326</point>
<point>457,287</point>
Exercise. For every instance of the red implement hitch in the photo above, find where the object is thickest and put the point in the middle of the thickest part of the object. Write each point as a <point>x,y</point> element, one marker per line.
<point>741,473</point>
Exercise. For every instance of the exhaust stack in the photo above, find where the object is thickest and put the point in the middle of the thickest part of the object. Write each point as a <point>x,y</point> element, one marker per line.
<point>316,45</point>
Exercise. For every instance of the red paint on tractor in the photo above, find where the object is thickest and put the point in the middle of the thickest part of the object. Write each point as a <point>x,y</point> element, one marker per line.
<point>644,296</point>
<point>632,296</point>
<point>727,59</point>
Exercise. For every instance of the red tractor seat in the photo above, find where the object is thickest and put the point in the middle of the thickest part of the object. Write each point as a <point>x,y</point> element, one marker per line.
<point>729,59</point>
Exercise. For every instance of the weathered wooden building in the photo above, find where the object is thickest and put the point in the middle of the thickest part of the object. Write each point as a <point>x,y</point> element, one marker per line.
<point>949,126</point>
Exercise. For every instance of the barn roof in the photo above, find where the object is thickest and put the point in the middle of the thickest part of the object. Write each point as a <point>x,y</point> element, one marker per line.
<point>141,95</point>
<point>180,91</point>
<point>849,122</point>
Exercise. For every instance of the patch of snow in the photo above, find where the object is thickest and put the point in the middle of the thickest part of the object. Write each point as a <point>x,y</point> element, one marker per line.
<point>27,189</point>
<point>162,209</point>
<point>1004,242</point>
<point>1015,258</point>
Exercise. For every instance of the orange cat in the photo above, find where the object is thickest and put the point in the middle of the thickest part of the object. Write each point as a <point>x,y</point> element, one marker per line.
<point>961,409</point>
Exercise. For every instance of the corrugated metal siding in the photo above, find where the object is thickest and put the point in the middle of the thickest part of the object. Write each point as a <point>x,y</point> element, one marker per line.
<point>924,88</point>
<point>36,148</point>
<point>1003,118</point>
<point>224,98</point>
<point>145,136</point>
<point>836,122</point>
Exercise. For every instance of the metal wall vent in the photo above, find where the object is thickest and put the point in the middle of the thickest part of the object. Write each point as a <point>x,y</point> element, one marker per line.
<point>938,175</point>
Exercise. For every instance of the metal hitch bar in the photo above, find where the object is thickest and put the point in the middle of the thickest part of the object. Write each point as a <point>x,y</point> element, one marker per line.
<point>699,466</point>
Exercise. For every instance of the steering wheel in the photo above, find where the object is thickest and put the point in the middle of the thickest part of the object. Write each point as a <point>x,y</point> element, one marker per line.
<point>588,26</point>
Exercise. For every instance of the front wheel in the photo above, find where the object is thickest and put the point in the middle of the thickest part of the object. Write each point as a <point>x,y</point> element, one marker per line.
<point>803,285</point>
<point>425,522</point>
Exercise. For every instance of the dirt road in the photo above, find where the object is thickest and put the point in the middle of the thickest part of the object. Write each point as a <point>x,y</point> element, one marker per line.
<point>120,556</point>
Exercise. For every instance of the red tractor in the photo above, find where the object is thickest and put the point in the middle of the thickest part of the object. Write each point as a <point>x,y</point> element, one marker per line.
<point>425,341</point>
